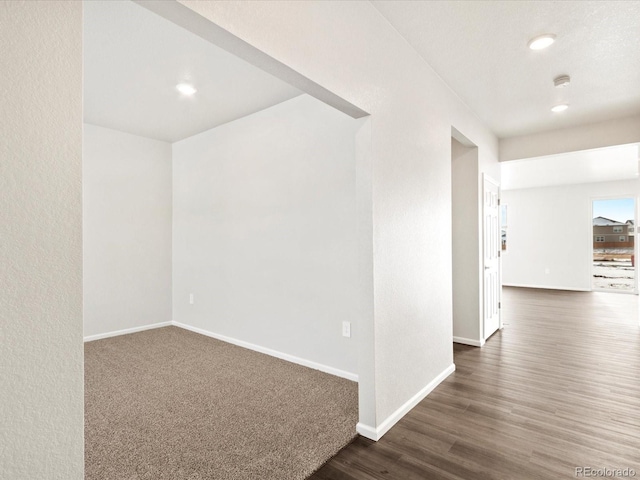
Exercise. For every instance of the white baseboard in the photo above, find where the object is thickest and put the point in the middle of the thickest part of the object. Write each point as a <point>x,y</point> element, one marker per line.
<point>547,287</point>
<point>126,331</point>
<point>468,341</point>
<point>377,433</point>
<point>274,353</point>
<point>367,431</point>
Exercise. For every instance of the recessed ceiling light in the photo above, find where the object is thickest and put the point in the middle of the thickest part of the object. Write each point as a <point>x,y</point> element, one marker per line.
<point>186,89</point>
<point>560,108</point>
<point>541,41</point>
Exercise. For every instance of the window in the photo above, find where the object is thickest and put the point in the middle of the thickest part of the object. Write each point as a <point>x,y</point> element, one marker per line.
<point>623,238</point>
<point>599,238</point>
<point>617,229</point>
<point>503,226</point>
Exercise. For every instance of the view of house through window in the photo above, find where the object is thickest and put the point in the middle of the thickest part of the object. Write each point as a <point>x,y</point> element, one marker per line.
<point>614,244</point>
<point>503,226</point>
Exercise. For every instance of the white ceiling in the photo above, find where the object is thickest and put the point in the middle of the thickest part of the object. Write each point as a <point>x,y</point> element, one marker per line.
<point>133,60</point>
<point>590,166</point>
<point>479,48</point>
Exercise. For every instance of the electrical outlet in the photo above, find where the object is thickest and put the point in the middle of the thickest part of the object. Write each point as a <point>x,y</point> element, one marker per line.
<point>191,298</point>
<point>346,329</point>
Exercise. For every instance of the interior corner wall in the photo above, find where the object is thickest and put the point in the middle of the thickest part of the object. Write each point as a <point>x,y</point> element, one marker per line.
<point>127,231</point>
<point>465,243</point>
<point>41,397</point>
<point>265,232</point>
<point>550,233</point>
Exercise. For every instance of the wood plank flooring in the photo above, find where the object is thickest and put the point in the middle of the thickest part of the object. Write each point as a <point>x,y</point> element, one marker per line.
<point>557,388</point>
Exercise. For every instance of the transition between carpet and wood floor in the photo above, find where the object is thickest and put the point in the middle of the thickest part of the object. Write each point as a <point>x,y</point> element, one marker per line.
<point>169,404</point>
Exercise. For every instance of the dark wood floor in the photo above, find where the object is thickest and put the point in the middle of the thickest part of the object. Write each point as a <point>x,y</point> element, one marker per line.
<point>558,388</point>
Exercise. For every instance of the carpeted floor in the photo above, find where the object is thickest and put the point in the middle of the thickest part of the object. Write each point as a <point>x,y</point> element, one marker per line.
<point>172,404</point>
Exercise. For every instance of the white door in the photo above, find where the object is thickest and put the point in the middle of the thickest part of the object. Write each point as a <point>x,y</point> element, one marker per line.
<point>491,248</point>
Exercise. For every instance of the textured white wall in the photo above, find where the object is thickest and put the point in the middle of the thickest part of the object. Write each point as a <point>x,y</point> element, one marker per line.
<point>127,230</point>
<point>465,242</point>
<point>351,50</point>
<point>265,231</point>
<point>620,131</point>
<point>41,392</point>
<point>551,228</point>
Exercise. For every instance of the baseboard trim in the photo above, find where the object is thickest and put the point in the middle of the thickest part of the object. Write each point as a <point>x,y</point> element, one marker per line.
<point>377,433</point>
<point>274,353</point>
<point>126,331</point>
<point>468,341</point>
<point>367,431</point>
<point>546,287</point>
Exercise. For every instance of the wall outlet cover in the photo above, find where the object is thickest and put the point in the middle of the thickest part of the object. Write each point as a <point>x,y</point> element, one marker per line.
<point>346,329</point>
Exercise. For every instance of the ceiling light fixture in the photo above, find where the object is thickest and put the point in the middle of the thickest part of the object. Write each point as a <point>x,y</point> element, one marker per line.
<point>562,81</point>
<point>541,41</point>
<point>186,89</point>
<point>560,108</point>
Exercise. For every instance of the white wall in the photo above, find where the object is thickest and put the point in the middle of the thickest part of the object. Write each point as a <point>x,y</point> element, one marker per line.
<point>127,231</point>
<point>41,392</point>
<point>466,259</point>
<point>550,229</point>
<point>352,51</point>
<point>620,131</point>
<point>265,231</point>
<point>349,49</point>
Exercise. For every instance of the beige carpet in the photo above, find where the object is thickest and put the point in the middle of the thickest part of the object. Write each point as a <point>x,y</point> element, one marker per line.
<point>172,404</point>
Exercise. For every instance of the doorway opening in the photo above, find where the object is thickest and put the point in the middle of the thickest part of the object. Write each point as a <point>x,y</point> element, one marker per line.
<point>476,243</point>
<point>614,246</point>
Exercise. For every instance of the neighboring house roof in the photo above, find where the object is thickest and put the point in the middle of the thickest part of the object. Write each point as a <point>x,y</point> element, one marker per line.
<point>602,222</point>
<point>630,222</point>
